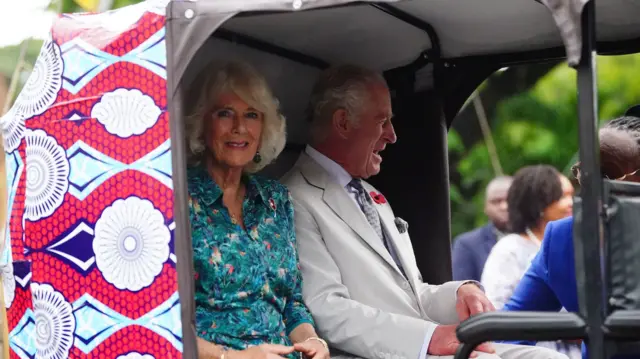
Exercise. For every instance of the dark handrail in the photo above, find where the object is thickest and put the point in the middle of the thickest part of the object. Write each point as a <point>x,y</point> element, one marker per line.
<point>623,324</point>
<point>535,326</point>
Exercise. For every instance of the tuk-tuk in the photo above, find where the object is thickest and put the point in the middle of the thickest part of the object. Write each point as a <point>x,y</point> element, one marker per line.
<point>97,259</point>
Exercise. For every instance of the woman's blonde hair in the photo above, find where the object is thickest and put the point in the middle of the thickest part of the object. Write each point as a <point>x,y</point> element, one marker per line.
<point>247,83</point>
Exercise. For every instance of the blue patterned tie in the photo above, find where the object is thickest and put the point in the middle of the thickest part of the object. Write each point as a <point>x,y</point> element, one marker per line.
<point>366,205</point>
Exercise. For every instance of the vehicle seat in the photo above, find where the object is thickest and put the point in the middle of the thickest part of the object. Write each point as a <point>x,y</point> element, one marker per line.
<point>283,163</point>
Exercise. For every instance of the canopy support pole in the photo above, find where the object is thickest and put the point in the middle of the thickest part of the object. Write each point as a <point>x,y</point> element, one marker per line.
<point>590,235</point>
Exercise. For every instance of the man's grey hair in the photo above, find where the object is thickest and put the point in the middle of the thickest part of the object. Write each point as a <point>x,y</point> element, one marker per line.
<point>344,87</point>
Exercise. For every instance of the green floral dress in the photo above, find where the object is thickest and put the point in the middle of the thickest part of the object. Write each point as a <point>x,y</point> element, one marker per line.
<point>248,283</point>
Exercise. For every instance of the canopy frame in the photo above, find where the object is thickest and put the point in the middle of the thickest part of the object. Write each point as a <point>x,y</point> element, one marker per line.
<point>463,75</point>
<point>589,233</point>
<point>431,55</point>
<point>264,46</point>
<point>589,237</point>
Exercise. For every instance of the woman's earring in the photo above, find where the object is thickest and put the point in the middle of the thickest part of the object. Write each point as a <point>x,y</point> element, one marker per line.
<point>257,158</point>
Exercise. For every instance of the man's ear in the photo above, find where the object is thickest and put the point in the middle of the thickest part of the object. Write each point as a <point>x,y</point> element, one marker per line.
<point>340,122</point>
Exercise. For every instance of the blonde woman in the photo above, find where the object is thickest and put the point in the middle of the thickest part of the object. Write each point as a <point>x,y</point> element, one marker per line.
<point>247,279</point>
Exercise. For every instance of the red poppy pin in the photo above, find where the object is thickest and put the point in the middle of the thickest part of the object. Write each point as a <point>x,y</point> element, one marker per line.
<point>378,198</point>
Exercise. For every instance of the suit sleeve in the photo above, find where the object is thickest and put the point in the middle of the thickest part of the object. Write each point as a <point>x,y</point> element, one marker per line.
<point>462,261</point>
<point>348,325</point>
<point>439,301</point>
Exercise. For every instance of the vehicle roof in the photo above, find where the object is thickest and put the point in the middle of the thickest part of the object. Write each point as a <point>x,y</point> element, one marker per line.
<point>463,28</point>
<point>290,47</point>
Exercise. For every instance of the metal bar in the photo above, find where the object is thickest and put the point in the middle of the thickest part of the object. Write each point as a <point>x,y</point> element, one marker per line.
<point>411,68</point>
<point>414,21</point>
<point>270,48</point>
<point>550,54</point>
<point>592,196</point>
<point>393,11</point>
<point>182,233</point>
<point>432,55</point>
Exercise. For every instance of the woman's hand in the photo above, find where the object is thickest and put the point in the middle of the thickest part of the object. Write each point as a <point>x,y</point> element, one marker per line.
<point>308,342</point>
<point>264,351</point>
<point>313,349</point>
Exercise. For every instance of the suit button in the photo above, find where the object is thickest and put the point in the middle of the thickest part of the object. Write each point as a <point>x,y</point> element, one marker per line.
<point>406,285</point>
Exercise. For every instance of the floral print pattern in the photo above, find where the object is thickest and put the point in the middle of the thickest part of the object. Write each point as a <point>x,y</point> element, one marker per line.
<point>248,286</point>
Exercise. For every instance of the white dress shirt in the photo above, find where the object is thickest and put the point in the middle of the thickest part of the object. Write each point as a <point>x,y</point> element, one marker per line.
<point>343,178</point>
<point>335,170</point>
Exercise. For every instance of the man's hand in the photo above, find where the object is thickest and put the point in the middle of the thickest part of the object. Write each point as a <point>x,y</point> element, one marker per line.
<point>312,349</point>
<point>472,301</point>
<point>445,342</point>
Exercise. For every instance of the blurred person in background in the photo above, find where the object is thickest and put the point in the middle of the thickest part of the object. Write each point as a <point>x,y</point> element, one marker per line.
<point>549,284</point>
<point>539,194</point>
<point>471,249</point>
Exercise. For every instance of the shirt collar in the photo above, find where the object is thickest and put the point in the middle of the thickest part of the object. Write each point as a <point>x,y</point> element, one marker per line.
<point>204,188</point>
<point>334,169</point>
<point>498,233</point>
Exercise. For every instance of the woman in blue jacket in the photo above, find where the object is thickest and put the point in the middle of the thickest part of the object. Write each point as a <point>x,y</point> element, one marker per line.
<point>550,282</point>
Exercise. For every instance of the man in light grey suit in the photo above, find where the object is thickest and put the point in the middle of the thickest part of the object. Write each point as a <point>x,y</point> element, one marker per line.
<point>361,281</point>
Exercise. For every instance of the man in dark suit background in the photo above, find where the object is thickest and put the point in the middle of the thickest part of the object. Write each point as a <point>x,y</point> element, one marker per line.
<point>471,249</point>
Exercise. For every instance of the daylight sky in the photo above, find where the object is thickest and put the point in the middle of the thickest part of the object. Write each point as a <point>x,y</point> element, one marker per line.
<point>20,19</point>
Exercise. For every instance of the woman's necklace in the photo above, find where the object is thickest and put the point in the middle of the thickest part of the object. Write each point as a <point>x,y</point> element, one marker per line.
<point>234,219</point>
<point>236,214</point>
<point>533,237</point>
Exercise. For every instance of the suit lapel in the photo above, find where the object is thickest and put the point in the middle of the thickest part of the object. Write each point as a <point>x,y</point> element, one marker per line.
<point>338,199</point>
<point>405,253</point>
<point>402,251</point>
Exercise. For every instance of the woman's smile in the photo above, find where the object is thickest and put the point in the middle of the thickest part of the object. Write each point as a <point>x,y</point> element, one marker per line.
<point>237,144</point>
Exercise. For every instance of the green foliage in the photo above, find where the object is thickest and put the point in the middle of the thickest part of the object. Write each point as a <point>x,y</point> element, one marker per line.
<point>70,6</point>
<point>538,126</point>
<point>122,3</point>
<point>9,56</point>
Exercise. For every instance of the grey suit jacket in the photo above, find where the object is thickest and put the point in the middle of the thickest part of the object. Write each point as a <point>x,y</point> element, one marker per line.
<point>362,303</point>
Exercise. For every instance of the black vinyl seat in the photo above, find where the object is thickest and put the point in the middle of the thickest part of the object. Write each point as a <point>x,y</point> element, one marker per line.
<point>283,163</point>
